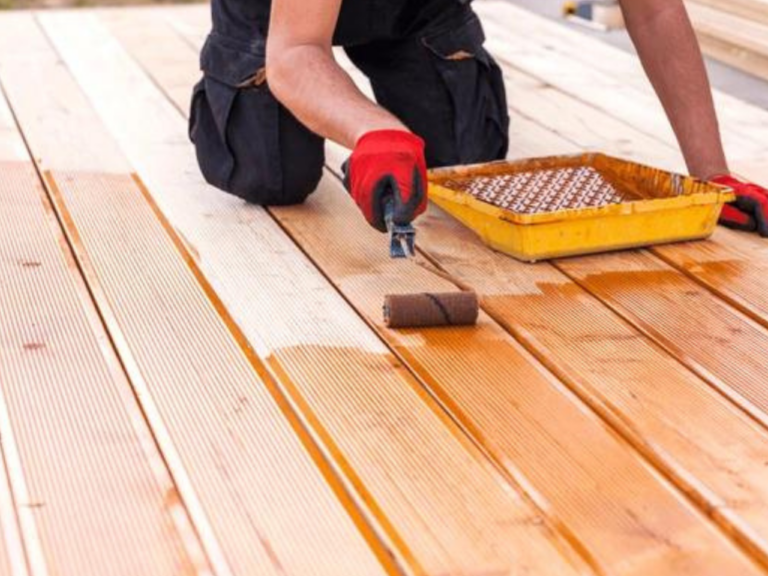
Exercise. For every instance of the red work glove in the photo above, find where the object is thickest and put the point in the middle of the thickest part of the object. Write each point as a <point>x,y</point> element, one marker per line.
<point>388,163</point>
<point>749,212</point>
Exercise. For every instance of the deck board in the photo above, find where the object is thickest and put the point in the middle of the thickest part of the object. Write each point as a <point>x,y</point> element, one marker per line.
<point>80,458</point>
<point>434,493</point>
<point>704,332</point>
<point>259,493</point>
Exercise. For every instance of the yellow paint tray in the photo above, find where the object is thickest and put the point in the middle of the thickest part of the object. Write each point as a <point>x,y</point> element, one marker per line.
<point>546,208</point>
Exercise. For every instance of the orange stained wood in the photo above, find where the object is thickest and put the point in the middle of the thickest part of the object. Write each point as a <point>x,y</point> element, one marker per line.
<point>720,344</point>
<point>80,459</point>
<point>261,495</point>
<point>623,517</point>
<point>736,274</point>
<point>710,448</point>
<point>430,492</point>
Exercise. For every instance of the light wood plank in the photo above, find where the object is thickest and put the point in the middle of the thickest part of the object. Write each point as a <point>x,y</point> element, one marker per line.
<point>606,77</point>
<point>13,561</point>
<point>740,42</point>
<point>260,494</point>
<point>434,494</point>
<point>756,10</point>
<point>80,458</point>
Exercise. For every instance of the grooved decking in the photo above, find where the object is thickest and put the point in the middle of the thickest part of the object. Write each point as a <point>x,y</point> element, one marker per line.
<point>196,386</point>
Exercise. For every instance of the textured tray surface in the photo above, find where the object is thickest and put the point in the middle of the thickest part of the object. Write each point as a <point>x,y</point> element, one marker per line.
<point>540,191</point>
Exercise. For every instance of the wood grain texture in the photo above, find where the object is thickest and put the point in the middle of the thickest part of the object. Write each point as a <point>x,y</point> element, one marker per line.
<point>703,331</point>
<point>261,497</point>
<point>13,561</point>
<point>432,493</point>
<point>738,274</point>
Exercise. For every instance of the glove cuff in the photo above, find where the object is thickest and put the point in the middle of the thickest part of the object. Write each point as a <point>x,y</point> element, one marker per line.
<point>725,180</point>
<point>390,141</point>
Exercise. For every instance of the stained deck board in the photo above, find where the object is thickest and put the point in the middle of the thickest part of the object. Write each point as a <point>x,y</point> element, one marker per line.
<point>713,339</point>
<point>260,495</point>
<point>434,493</point>
<point>80,458</point>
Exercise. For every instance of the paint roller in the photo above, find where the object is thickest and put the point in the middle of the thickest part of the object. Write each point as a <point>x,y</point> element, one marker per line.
<point>423,310</point>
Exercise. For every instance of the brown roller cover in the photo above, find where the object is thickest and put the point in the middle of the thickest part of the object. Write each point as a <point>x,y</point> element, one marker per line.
<point>427,310</point>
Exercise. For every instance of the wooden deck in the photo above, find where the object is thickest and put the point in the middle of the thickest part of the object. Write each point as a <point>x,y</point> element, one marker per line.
<point>191,385</point>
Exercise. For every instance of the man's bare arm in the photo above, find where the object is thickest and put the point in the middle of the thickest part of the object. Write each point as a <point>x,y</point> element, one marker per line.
<point>670,53</point>
<point>305,78</point>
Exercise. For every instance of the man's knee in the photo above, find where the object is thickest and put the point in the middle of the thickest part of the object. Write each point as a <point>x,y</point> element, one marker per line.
<point>247,143</point>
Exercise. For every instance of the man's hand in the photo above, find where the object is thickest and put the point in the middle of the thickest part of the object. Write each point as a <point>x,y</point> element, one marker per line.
<point>750,210</point>
<point>388,163</point>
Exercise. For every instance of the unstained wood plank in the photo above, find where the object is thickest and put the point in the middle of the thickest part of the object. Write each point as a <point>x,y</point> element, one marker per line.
<point>606,77</point>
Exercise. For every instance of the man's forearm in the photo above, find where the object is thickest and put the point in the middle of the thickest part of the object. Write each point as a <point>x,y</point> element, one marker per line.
<point>308,81</point>
<point>671,56</point>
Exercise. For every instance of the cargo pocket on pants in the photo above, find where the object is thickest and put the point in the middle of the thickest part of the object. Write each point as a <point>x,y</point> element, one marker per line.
<point>234,122</point>
<point>476,88</point>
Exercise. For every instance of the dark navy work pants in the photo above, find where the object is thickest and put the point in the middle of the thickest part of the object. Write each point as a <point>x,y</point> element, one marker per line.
<point>426,63</point>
